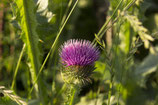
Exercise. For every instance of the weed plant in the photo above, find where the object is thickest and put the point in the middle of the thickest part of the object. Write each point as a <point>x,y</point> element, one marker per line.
<point>37,29</point>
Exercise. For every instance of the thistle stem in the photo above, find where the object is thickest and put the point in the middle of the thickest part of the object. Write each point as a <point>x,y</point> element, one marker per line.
<point>73,96</point>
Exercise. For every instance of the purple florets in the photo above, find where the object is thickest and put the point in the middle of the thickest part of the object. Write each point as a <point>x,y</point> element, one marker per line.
<point>78,52</point>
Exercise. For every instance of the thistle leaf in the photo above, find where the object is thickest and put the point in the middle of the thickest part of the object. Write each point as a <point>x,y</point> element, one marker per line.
<point>26,17</point>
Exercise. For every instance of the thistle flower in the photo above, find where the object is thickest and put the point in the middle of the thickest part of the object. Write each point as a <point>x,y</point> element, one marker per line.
<point>78,52</point>
<point>77,58</point>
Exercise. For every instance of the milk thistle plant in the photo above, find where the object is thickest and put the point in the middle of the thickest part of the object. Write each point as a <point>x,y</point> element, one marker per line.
<point>77,64</point>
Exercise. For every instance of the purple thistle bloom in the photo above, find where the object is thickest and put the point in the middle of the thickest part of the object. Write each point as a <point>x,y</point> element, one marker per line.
<point>78,52</point>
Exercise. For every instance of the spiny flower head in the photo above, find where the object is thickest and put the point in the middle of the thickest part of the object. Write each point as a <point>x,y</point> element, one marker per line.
<point>78,52</point>
<point>77,58</point>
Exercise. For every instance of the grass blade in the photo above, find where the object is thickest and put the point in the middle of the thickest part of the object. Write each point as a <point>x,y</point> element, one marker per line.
<point>17,67</point>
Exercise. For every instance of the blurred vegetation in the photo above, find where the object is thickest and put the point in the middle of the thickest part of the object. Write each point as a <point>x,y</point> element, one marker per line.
<point>128,45</point>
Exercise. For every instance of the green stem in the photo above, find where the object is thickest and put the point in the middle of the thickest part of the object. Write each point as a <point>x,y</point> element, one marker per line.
<point>17,67</point>
<point>73,96</point>
<point>116,42</point>
<point>105,26</point>
<point>111,71</point>
<point>66,12</point>
<point>129,5</point>
<point>107,22</point>
<point>110,89</point>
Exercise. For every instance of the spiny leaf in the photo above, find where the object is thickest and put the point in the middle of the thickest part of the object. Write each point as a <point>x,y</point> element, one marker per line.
<point>26,17</point>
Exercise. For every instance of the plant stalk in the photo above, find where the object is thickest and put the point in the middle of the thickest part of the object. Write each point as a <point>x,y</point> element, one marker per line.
<point>73,96</point>
<point>110,89</point>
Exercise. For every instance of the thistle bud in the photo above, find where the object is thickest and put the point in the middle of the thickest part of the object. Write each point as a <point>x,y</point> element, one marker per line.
<point>77,60</point>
